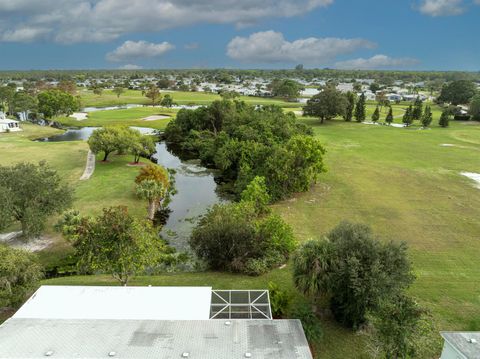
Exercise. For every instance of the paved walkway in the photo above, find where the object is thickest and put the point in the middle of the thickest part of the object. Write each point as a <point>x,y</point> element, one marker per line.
<point>90,167</point>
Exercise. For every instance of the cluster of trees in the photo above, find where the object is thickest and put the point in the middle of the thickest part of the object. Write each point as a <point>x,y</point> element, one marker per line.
<point>29,194</point>
<point>49,102</point>
<point>416,112</point>
<point>330,103</point>
<point>364,281</point>
<point>117,243</point>
<point>114,242</point>
<point>227,75</point>
<point>285,88</point>
<point>155,96</point>
<point>121,140</point>
<point>457,92</point>
<point>244,237</point>
<point>245,142</point>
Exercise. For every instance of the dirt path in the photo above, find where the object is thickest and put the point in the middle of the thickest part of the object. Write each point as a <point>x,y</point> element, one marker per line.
<point>90,167</point>
<point>14,239</point>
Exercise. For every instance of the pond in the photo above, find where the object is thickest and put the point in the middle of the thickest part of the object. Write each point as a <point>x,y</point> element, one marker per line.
<point>195,184</point>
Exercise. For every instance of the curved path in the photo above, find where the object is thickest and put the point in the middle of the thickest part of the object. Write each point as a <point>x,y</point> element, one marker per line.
<point>90,167</point>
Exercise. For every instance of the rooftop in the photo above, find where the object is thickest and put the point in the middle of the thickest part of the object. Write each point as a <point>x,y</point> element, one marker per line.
<point>73,338</point>
<point>467,343</point>
<point>142,303</point>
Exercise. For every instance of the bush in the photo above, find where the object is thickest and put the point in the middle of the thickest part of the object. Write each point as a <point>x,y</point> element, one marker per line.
<point>233,237</point>
<point>19,275</point>
<point>353,269</point>
<point>310,322</point>
<point>279,300</point>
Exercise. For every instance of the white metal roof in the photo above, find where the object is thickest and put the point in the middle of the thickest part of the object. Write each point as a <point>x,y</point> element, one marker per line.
<point>140,303</point>
<point>151,339</point>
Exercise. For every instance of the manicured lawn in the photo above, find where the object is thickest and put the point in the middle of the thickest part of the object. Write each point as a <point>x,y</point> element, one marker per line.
<point>108,98</point>
<point>122,117</point>
<point>408,187</point>
<point>111,183</point>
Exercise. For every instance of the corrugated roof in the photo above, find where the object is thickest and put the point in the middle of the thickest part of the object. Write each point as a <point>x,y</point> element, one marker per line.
<point>210,339</point>
<point>467,343</point>
<point>142,303</point>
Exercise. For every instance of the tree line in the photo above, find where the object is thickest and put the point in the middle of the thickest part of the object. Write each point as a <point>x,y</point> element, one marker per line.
<point>244,142</point>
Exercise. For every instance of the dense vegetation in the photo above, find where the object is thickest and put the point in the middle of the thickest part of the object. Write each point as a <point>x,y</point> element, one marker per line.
<point>19,275</point>
<point>365,282</point>
<point>244,237</point>
<point>244,142</point>
<point>29,195</point>
<point>226,75</point>
<point>113,242</point>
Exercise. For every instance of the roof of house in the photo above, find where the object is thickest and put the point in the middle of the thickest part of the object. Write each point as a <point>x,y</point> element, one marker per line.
<point>142,303</point>
<point>467,343</point>
<point>7,120</point>
<point>73,338</point>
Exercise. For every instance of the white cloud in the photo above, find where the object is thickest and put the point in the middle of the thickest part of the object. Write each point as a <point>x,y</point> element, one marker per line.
<point>132,50</point>
<point>24,34</point>
<point>376,62</point>
<point>271,47</point>
<point>442,7</point>
<point>70,21</point>
<point>130,67</point>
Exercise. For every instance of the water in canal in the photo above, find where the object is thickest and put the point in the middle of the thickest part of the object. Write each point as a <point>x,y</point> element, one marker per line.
<point>196,188</point>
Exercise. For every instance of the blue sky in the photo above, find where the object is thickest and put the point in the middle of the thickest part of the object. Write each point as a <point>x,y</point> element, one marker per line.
<point>370,34</point>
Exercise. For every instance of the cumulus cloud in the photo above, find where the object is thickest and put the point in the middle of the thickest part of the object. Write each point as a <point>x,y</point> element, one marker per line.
<point>376,62</point>
<point>132,50</point>
<point>130,67</point>
<point>442,7</point>
<point>24,34</point>
<point>70,21</point>
<point>272,47</point>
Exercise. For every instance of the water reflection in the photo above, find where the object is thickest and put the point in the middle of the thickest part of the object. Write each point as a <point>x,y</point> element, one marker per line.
<point>196,187</point>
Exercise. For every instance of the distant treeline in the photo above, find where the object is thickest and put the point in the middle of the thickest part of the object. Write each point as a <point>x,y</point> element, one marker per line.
<point>227,75</point>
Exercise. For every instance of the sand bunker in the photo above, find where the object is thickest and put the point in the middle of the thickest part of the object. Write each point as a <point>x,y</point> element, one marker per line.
<point>155,118</point>
<point>79,116</point>
<point>447,145</point>
<point>397,125</point>
<point>473,176</point>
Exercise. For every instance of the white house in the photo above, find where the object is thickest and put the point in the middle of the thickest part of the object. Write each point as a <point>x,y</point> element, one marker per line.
<point>7,125</point>
<point>461,345</point>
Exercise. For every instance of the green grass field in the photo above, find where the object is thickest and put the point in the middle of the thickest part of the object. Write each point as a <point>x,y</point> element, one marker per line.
<point>122,117</point>
<point>108,98</point>
<point>408,187</point>
<point>110,185</point>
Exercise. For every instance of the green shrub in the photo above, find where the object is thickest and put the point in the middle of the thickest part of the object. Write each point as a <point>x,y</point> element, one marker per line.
<point>352,269</point>
<point>310,322</point>
<point>19,275</point>
<point>233,237</point>
<point>279,300</point>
